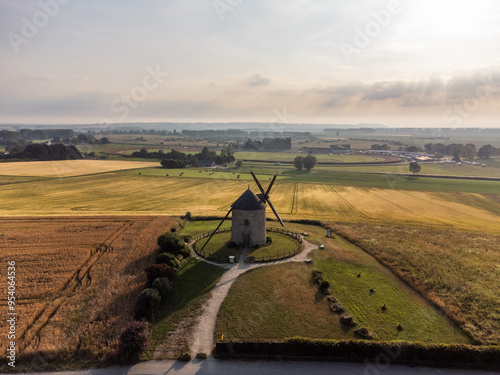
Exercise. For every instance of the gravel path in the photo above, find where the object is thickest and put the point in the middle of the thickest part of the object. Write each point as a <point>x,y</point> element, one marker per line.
<point>202,335</point>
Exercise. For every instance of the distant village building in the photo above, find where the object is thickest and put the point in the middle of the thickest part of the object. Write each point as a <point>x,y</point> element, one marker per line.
<point>206,163</point>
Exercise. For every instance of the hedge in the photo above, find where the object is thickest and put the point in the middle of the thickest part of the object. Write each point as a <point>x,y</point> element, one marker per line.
<point>440,355</point>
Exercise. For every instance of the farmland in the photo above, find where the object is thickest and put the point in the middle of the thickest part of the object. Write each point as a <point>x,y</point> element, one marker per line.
<point>60,213</point>
<point>66,168</point>
<point>76,280</point>
<point>128,192</point>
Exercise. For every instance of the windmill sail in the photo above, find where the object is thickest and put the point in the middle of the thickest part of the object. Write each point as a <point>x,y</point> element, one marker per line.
<point>216,229</point>
<point>265,195</point>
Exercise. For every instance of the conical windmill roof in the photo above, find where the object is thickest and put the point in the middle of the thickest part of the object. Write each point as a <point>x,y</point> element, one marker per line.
<point>248,201</point>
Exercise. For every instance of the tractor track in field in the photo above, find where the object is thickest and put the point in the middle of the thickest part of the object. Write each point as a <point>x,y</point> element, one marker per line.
<point>295,199</point>
<point>81,276</point>
<point>350,204</point>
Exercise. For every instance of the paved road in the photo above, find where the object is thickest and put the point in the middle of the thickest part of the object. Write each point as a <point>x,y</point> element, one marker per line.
<point>212,366</point>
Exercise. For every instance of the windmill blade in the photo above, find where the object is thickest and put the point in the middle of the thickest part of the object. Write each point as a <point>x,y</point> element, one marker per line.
<point>271,185</point>
<point>258,184</point>
<point>216,229</point>
<point>267,198</point>
<point>275,212</point>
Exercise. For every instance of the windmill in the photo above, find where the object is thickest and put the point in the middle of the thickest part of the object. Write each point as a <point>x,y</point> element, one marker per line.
<point>249,216</point>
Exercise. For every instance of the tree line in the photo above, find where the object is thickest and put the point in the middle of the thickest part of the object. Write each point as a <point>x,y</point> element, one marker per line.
<point>178,159</point>
<point>43,152</point>
<point>268,144</point>
<point>458,150</point>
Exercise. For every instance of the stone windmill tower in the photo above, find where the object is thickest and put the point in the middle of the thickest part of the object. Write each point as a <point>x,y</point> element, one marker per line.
<point>249,216</point>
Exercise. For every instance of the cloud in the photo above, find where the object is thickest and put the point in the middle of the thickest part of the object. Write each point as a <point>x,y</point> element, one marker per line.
<point>257,80</point>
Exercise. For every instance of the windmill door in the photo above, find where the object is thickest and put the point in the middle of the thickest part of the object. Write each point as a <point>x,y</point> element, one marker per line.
<point>246,240</point>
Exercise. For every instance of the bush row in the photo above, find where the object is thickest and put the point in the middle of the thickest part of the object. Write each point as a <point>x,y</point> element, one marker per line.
<point>450,355</point>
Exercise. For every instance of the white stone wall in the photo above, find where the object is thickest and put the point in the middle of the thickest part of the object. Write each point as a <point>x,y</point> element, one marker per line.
<point>250,224</point>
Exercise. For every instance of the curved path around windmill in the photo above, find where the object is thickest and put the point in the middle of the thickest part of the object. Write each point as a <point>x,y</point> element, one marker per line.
<point>202,339</point>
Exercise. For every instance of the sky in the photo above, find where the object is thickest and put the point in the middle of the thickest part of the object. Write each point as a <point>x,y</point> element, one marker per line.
<point>401,63</point>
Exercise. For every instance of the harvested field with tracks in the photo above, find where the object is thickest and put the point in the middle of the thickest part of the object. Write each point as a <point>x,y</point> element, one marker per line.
<point>76,279</point>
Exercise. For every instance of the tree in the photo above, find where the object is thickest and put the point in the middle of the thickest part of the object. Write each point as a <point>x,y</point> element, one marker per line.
<point>147,304</point>
<point>310,161</point>
<point>298,162</point>
<point>171,242</point>
<point>486,151</point>
<point>414,167</point>
<point>469,151</point>
<point>239,163</point>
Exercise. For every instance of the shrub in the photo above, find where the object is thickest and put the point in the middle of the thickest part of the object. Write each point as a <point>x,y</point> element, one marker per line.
<point>170,242</point>
<point>269,240</point>
<point>163,286</point>
<point>317,276</point>
<point>147,304</point>
<point>169,259</point>
<point>185,252</point>
<point>324,286</point>
<point>173,230</point>
<point>186,237</point>
<point>133,341</point>
<point>154,271</point>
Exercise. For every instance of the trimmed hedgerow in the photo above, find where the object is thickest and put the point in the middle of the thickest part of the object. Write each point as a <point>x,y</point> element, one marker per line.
<point>449,355</point>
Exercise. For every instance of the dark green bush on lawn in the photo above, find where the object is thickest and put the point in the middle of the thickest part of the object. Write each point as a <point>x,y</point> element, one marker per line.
<point>169,259</point>
<point>171,242</point>
<point>154,271</point>
<point>147,304</point>
<point>163,286</point>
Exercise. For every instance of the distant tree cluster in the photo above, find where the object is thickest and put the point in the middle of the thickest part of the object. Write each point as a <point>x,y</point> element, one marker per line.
<point>178,159</point>
<point>268,144</point>
<point>458,150</point>
<point>24,137</point>
<point>308,162</point>
<point>42,152</point>
<point>377,146</point>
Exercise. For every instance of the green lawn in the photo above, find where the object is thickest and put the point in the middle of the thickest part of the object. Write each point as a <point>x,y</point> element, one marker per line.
<point>217,249</point>
<point>289,156</point>
<point>281,244</point>
<point>277,302</point>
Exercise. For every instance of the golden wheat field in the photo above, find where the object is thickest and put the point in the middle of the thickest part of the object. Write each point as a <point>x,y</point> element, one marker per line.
<point>118,193</point>
<point>65,168</point>
<point>76,280</point>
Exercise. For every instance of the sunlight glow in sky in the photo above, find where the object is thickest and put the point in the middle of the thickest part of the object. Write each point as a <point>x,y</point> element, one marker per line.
<point>400,63</point>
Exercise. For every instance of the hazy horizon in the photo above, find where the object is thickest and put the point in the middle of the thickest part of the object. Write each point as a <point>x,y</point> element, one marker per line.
<point>396,63</point>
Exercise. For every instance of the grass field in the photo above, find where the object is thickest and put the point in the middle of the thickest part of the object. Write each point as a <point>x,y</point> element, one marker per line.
<point>217,248</point>
<point>289,156</point>
<point>76,283</point>
<point>281,301</point>
<point>427,168</point>
<point>459,271</point>
<point>280,245</point>
<point>65,168</point>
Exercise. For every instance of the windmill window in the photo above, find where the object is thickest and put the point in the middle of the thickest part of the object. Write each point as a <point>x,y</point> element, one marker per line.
<point>246,222</point>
